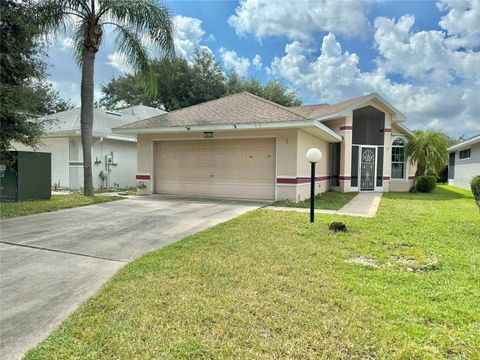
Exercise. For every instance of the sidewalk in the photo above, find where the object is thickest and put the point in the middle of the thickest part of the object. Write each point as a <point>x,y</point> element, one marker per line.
<point>365,204</point>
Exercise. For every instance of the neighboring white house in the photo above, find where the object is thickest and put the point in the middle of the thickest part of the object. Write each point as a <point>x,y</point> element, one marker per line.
<point>464,162</point>
<point>114,156</point>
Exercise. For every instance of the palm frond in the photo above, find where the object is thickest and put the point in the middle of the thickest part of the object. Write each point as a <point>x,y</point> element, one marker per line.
<point>146,17</point>
<point>428,150</point>
<point>54,15</point>
<point>79,39</point>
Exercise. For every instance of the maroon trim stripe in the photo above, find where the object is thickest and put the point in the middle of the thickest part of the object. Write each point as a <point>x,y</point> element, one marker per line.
<point>142,177</point>
<point>386,178</point>
<point>300,180</point>
<point>387,130</point>
<point>342,177</point>
<point>411,177</point>
<point>346,127</point>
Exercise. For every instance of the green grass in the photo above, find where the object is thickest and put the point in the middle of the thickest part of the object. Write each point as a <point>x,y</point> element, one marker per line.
<point>329,200</point>
<point>127,191</point>
<point>269,285</point>
<point>56,202</point>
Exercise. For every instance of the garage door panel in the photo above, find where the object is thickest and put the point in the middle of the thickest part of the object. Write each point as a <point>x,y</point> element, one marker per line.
<point>240,168</point>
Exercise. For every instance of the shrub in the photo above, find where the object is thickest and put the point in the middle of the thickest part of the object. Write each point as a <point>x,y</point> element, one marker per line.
<point>475,185</point>
<point>426,183</point>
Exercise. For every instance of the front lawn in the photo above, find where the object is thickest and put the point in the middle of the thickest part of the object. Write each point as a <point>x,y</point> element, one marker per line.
<point>56,202</point>
<point>330,200</point>
<point>268,285</point>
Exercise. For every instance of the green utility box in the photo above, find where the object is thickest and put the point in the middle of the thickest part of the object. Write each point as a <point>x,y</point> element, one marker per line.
<point>29,177</point>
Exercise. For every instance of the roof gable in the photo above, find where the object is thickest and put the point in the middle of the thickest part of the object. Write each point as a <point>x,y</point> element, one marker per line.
<point>343,107</point>
<point>240,108</point>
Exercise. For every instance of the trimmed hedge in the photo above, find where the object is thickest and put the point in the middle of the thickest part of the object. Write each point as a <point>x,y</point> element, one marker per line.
<point>426,183</point>
<point>475,185</point>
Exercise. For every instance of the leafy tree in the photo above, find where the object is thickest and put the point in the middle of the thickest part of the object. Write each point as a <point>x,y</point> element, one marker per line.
<point>428,149</point>
<point>125,91</point>
<point>233,83</point>
<point>275,91</point>
<point>180,84</point>
<point>208,78</point>
<point>130,21</point>
<point>24,92</point>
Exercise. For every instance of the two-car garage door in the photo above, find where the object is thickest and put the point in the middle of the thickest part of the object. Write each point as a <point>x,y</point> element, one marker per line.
<point>236,168</point>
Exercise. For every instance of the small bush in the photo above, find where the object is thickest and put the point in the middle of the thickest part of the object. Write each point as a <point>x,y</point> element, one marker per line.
<point>475,185</point>
<point>426,183</point>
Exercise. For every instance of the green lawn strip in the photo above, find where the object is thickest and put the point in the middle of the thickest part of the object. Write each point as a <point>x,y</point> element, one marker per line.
<point>270,285</point>
<point>330,200</point>
<point>129,191</point>
<point>57,202</point>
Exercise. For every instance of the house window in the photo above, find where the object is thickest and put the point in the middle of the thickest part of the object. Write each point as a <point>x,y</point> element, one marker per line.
<point>398,159</point>
<point>464,154</point>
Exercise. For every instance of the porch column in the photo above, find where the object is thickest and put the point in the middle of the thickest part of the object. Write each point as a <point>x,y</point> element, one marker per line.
<point>387,159</point>
<point>346,154</point>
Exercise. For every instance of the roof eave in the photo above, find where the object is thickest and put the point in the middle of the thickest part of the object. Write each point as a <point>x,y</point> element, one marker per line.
<point>465,143</point>
<point>404,128</point>
<point>330,135</point>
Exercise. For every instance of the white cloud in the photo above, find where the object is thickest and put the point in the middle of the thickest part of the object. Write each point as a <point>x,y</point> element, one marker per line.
<point>421,56</point>
<point>334,75</point>
<point>118,61</point>
<point>257,62</point>
<point>462,22</point>
<point>299,19</point>
<point>231,61</point>
<point>188,36</point>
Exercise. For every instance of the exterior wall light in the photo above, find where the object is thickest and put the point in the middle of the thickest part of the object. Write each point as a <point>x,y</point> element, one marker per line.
<point>313,156</point>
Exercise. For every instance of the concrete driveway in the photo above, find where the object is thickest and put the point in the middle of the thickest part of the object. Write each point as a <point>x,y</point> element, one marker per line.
<point>51,263</point>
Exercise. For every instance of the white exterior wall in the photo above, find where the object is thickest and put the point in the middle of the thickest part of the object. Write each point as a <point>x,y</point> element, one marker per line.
<point>67,161</point>
<point>58,147</point>
<point>466,169</point>
<point>123,173</point>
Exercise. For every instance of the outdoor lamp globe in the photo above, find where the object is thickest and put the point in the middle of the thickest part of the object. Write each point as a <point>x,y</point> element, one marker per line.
<point>314,155</point>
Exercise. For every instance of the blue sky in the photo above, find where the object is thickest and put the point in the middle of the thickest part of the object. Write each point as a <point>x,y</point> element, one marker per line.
<point>423,56</point>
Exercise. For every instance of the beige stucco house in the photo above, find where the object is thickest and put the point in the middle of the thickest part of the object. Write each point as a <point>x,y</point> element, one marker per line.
<point>243,146</point>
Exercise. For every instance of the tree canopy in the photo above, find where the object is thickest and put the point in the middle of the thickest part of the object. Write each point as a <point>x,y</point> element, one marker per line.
<point>24,91</point>
<point>180,84</point>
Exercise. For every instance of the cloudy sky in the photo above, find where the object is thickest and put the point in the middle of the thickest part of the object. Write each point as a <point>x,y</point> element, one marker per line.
<point>423,56</point>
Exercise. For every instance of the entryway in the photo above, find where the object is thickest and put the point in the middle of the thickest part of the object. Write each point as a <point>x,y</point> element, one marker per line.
<point>367,168</point>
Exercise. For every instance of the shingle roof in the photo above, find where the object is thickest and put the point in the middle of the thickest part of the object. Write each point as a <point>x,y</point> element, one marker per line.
<point>103,120</point>
<point>241,108</point>
<point>308,110</point>
<point>316,111</point>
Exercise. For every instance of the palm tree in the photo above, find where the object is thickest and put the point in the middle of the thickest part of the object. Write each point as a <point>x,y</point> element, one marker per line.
<point>132,21</point>
<point>428,149</point>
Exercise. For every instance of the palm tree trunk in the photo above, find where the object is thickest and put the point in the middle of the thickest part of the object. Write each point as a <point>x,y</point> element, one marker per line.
<point>86,119</point>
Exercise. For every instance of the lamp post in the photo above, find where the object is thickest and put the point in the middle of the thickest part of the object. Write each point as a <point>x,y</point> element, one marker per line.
<point>313,156</point>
